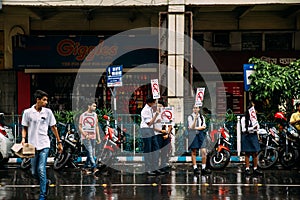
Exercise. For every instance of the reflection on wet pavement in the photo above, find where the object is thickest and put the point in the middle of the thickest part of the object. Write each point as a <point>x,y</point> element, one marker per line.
<point>180,183</point>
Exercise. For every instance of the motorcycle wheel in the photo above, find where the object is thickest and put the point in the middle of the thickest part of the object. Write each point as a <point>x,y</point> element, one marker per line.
<point>288,159</point>
<point>105,159</point>
<point>61,160</point>
<point>25,164</point>
<point>266,162</point>
<point>219,160</point>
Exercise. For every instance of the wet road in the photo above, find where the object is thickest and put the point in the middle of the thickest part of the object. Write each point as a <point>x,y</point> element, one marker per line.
<point>180,183</point>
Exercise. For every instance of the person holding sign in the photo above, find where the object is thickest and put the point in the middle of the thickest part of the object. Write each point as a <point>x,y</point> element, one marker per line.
<point>250,143</point>
<point>196,127</point>
<point>162,132</point>
<point>89,129</point>
<point>151,146</point>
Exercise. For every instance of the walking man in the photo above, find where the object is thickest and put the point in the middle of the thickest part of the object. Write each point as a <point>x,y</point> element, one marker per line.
<point>36,121</point>
<point>89,129</point>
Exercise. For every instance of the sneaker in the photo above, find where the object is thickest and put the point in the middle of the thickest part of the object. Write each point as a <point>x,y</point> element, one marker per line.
<point>205,171</point>
<point>257,172</point>
<point>149,173</point>
<point>247,172</point>
<point>86,171</point>
<point>159,172</point>
<point>196,171</point>
<point>95,170</point>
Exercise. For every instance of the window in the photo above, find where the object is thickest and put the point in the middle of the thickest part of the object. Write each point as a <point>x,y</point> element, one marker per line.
<point>221,40</point>
<point>278,41</point>
<point>251,42</point>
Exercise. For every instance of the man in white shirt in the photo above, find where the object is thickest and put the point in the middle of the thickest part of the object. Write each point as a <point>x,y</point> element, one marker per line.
<point>36,121</point>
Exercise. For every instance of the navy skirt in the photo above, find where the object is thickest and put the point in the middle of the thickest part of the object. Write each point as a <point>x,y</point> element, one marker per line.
<point>196,139</point>
<point>250,143</point>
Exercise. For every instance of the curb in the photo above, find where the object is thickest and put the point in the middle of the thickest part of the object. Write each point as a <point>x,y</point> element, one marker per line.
<point>140,159</point>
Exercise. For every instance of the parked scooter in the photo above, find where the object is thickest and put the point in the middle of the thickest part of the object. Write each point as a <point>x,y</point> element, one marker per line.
<point>269,153</point>
<point>6,141</point>
<point>110,145</point>
<point>219,157</point>
<point>71,149</point>
<point>290,141</point>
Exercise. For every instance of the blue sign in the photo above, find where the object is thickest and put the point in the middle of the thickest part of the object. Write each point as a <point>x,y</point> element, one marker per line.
<point>248,70</point>
<point>114,75</point>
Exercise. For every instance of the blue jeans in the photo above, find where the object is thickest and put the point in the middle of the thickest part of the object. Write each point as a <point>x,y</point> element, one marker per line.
<point>90,148</point>
<point>38,170</point>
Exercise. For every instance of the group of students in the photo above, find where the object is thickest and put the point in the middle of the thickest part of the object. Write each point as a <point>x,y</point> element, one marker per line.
<point>155,135</point>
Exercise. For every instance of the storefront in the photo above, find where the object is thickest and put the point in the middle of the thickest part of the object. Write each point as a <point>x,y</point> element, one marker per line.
<point>73,69</point>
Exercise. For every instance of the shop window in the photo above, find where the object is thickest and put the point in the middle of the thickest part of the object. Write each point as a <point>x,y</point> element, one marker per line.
<point>221,40</point>
<point>251,42</point>
<point>278,41</point>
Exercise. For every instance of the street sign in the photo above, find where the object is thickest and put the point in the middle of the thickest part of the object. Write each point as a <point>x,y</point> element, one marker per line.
<point>248,70</point>
<point>114,75</point>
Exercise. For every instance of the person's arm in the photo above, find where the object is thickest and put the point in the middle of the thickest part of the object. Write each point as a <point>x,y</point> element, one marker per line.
<point>55,132</point>
<point>200,128</point>
<point>98,139</point>
<point>193,126</point>
<point>153,119</point>
<point>24,133</point>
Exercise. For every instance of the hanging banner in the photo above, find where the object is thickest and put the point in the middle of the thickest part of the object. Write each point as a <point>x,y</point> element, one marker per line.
<point>155,88</point>
<point>167,115</point>
<point>253,116</point>
<point>199,96</point>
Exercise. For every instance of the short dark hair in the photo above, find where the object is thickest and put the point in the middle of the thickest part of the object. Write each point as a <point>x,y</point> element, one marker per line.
<point>160,101</point>
<point>150,99</point>
<point>39,94</point>
<point>297,104</point>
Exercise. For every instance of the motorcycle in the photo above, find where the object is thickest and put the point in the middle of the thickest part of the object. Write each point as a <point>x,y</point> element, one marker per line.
<point>6,141</point>
<point>109,146</point>
<point>219,156</point>
<point>71,149</point>
<point>289,152</point>
<point>269,153</point>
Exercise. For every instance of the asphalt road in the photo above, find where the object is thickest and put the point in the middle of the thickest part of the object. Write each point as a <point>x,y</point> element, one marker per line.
<point>179,183</point>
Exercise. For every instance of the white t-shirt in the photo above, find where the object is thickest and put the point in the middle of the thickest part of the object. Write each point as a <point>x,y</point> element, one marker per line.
<point>38,124</point>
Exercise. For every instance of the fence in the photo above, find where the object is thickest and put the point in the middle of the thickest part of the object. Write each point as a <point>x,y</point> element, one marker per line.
<point>133,142</point>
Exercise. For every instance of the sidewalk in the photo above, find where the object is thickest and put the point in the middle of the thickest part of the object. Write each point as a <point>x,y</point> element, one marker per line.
<point>138,158</point>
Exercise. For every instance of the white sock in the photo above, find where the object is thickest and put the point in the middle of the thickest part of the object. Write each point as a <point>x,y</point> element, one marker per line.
<point>247,168</point>
<point>195,166</point>
<point>255,168</point>
<point>203,166</point>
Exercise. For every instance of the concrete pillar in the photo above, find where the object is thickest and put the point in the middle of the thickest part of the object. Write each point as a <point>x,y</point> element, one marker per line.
<point>175,69</point>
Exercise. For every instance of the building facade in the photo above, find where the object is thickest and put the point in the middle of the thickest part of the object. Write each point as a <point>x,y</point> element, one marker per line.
<point>229,33</point>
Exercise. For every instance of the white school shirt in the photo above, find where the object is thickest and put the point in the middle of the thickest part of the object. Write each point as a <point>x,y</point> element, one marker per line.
<point>38,124</point>
<point>250,127</point>
<point>198,122</point>
<point>146,115</point>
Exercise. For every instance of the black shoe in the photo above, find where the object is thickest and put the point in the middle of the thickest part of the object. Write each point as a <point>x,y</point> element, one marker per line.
<point>159,172</point>
<point>196,171</point>
<point>247,172</point>
<point>205,171</point>
<point>149,173</point>
<point>257,172</point>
